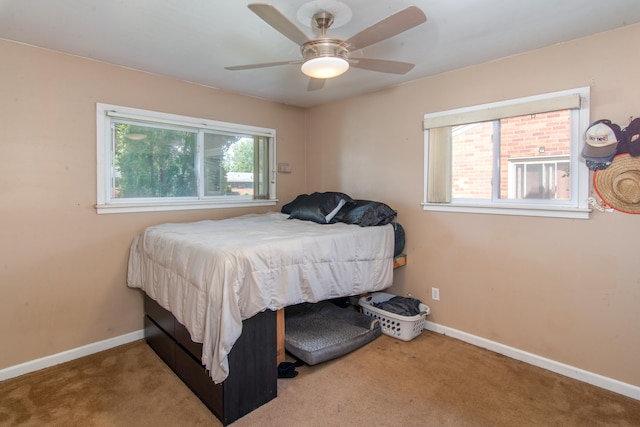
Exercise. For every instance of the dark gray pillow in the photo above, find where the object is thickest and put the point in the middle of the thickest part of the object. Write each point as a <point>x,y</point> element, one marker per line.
<point>286,209</point>
<point>319,207</point>
<point>400,239</point>
<point>367,213</point>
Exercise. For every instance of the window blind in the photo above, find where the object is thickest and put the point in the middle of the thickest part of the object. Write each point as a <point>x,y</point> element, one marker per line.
<point>439,173</point>
<point>500,110</point>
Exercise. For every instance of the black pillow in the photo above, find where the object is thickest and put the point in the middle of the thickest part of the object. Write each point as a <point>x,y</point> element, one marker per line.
<point>319,207</point>
<point>399,239</point>
<point>367,213</point>
<point>286,209</point>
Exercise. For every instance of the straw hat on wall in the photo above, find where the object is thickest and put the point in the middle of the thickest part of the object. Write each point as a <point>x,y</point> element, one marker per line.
<point>619,184</point>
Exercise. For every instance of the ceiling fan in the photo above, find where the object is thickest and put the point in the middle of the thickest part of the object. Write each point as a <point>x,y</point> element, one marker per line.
<point>325,57</point>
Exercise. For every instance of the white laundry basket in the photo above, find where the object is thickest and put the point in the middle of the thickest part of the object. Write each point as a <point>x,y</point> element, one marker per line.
<point>405,328</point>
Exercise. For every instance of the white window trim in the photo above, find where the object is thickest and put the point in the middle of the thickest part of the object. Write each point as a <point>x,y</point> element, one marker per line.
<point>106,205</point>
<point>576,209</point>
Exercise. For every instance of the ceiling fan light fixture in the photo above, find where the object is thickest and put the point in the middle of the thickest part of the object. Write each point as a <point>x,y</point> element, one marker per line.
<point>325,67</point>
<point>324,58</point>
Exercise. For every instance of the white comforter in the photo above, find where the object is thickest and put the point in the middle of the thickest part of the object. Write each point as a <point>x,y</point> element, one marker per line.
<point>213,274</point>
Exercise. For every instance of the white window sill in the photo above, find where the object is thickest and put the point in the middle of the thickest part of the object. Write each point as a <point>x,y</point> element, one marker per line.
<point>523,210</point>
<point>123,207</point>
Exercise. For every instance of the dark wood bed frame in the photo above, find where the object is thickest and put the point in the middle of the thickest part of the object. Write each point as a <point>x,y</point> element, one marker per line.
<point>253,360</point>
<point>253,370</point>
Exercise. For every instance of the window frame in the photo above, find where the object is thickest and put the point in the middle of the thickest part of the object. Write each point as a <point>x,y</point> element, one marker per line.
<point>107,205</point>
<point>577,207</point>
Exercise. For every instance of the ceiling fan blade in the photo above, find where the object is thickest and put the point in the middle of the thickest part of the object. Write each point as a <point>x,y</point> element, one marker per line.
<point>315,84</point>
<point>277,20</point>
<point>388,27</point>
<point>382,65</point>
<point>263,65</point>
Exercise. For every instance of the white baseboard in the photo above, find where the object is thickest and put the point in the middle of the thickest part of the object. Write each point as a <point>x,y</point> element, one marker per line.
<point>597,380</point>
<point>610,384</point>
<point>66,356</point>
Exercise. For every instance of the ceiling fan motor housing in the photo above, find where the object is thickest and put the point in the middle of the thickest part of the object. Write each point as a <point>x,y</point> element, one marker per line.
<point>324,47</point>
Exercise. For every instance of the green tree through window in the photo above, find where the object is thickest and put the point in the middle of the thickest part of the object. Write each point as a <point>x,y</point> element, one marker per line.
<point>154,162</point>
<point>239,156</point>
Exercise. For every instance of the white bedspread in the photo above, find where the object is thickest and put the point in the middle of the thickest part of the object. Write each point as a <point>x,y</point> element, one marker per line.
<point>213,274</point>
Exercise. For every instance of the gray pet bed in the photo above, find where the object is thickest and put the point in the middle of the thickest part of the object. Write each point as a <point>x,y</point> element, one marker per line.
<point>315,333</point>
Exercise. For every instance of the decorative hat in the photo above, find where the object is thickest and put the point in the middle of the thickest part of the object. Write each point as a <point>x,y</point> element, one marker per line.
<point>631,138</point>
<point>619,184</point>
<point>601,141</point>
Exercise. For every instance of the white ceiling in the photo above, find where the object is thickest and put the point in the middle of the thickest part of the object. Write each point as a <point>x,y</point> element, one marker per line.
<point>193,40</point>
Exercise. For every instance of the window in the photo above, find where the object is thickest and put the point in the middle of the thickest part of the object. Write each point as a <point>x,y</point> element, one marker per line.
<point>517,157</point>
<point>155,161</point>
<point>539,178</point>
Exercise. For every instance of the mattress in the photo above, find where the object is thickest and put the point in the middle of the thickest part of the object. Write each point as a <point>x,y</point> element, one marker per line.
<point>213,274</point>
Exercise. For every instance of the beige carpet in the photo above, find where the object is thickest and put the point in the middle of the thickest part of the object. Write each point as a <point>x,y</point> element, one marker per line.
<point>433,380</point>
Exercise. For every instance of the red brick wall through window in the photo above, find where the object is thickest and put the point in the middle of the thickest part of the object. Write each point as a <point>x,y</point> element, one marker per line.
<point>540,135</point>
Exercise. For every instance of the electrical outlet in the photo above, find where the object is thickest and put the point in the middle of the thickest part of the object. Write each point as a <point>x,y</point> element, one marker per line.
<point>435,294</point>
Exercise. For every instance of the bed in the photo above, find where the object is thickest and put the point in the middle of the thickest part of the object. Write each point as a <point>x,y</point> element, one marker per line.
<point>212,289</point>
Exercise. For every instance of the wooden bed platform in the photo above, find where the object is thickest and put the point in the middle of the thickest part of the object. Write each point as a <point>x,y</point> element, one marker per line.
<point>253,366</point>
<point>253,361</point>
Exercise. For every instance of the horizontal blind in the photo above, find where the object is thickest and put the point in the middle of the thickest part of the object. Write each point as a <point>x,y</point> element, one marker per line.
<point>170,119</point>
<point>499,110</point>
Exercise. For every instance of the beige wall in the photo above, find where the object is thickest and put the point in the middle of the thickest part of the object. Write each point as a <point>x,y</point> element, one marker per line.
<point>565,289</point>
<point>62,266</point>
<point>568,290</point>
